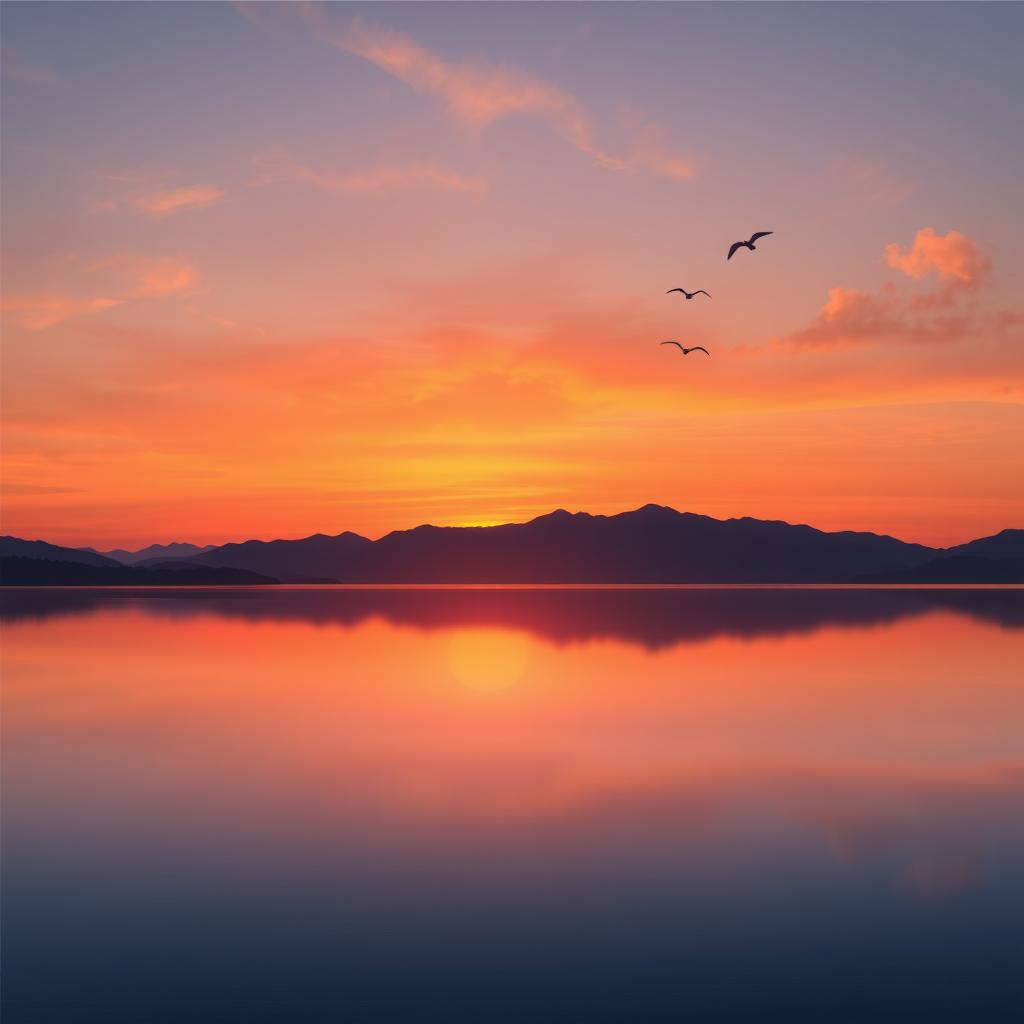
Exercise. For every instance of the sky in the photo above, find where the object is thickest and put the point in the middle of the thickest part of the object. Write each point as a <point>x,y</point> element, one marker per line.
<point>277,270</point>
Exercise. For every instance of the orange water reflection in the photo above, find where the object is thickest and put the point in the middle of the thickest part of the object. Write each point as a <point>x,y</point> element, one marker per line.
<point>882,752</point>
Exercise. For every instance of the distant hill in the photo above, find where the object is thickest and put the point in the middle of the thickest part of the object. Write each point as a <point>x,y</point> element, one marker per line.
<point>1007,544</point>
<point>313,558</point>
<point>652,544</point>
<point>15,547</point>
<point>153,553</point>
<point>16,571</point>
<point>954,569</point>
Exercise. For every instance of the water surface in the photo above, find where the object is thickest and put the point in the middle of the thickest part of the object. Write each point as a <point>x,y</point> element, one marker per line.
<point>513,804</point>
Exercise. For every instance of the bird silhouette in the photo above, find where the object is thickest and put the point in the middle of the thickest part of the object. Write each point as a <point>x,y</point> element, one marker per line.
<point>689,295</point>
<point>749,244</point>
<point>687,351</point>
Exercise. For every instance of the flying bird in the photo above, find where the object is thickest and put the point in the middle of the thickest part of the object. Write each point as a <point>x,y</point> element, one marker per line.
<point>689,295</point>
<point>687,351</point>
<point>749,244</point>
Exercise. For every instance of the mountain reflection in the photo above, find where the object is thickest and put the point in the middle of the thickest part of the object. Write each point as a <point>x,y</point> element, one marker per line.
<point>651,618</point>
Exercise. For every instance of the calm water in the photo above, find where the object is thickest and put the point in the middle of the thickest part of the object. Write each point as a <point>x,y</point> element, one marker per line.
<point>487,805</point>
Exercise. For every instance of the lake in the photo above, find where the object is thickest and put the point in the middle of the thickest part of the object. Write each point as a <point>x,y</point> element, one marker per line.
<point>487,804</point>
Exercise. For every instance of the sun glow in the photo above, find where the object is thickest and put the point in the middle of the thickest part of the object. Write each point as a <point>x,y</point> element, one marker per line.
<point>488,661</point>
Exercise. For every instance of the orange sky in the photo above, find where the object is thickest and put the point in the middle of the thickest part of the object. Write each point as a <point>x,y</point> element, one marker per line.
<point>366,267</point>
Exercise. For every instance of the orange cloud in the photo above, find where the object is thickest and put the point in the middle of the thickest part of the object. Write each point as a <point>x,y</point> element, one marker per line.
<point>163,277</point>
<point>164,202</point>
<point>954,256</point>
<point>140,278</point>
<point>380,181</point>
<point>477,94</point>
<point>37,312</point>
<point>851,317</point>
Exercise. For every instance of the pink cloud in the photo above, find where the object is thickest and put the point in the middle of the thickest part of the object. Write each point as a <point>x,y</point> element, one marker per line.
<point>37,312</point>
<point>476,94</point>
<point>378,181</point>
<point>138,277</point>
<point>164,202</point>
<point>163,277</point>
<point>956,259</point>
<point>851,317</point>
<point>650,152</point>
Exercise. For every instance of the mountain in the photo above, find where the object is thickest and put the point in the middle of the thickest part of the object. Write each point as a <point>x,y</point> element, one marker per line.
<point>18,571</point>
<point>652,544</point>
<point>155,552</point>
<point>1007,544</point>
<point>954,569</point>
<point>15,547</point>
<point>315,558</point>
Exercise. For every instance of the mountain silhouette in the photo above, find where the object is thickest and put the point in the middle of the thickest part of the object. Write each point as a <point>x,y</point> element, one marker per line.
<point>1006,544</point>
<point>16,571</point>
<point>649,545</point>
<point>653,544</point>
<point>15,547</point>
<point>153,553</point>
<point>315,558</point>
<point>954,569</point>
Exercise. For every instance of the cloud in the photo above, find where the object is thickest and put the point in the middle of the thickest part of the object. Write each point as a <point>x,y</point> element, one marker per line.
<point>650,153</point>
<point>955,257</point>
<point>37,312</point>
<point>139,278</point>
<point>163,277</point>
<point>20,70</point>
<point>164,202</point>
<point>850,317</point>
<point>476,94</point>
<point>380,181</point>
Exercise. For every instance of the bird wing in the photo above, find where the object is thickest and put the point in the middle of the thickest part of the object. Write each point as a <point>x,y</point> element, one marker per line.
<point>734,247</point>
<point>677,345</point>
<point>671,290</point>
<point>700,291</point>
<point>760,234</point>
<point>700,348</point>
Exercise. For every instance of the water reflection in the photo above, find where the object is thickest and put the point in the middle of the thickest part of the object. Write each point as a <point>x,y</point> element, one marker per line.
<point>513,805</point>
<point>653,617</point>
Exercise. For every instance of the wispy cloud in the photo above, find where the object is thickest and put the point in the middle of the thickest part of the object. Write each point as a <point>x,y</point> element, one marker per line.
<point>134,277</point>
<point>651,152</point>
<point>379,181</point>
<point>476,93</point>
<point>19,69</point>
<point>37,312</point>
<point>164,202</point>
<point>163,277</point>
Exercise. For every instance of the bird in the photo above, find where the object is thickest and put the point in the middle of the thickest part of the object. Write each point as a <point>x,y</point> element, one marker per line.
<point>749,244</point>
<point>689,295</point>
<point>687,351</point>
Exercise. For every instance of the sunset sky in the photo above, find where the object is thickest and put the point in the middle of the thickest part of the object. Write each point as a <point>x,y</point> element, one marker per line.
<point>270,271</point>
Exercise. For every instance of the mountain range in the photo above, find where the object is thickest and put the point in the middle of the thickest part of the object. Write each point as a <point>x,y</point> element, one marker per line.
<point>153,553</point>
<point>652,545</point>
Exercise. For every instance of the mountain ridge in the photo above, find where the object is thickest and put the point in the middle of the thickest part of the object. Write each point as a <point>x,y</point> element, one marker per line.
<point>652,544</point>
